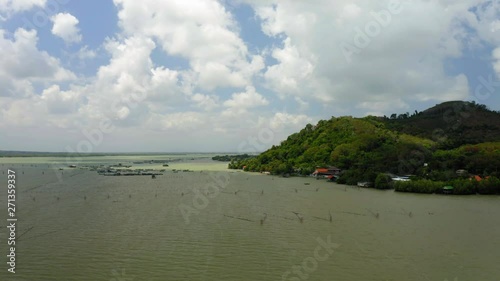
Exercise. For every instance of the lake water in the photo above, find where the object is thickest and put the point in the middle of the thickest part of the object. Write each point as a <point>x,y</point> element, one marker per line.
<point>216,224</point>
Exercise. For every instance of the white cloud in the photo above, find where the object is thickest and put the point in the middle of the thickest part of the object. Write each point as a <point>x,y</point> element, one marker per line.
<point>377,108</point>
<point>85,53</point>
<point>130,85</point>
<point>303,105</point>
<point>287,77</point>
<point>65,27</point>
<point>10,7</point>
<point>248,99</point>
<point>61,102</point>
<point>285,120</point>
<point>14,113</point>
<point>404,61</point>
<point>206,102</point>
<point>349,12</point>
<point>202,31</point>
<point>179,121</point>
<point>239,103</point>
<point>25,64</point>
<point>402,66</point>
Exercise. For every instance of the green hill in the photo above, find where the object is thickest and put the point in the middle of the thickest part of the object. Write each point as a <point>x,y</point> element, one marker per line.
<point>451,124</point>
<point>365,147</point>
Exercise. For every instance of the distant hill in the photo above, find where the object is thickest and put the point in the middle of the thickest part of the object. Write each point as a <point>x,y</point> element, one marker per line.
<point>400,144</point>
<point>452,124</point>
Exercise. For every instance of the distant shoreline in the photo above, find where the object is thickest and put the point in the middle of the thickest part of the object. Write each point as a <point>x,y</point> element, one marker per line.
<point>11,154</point>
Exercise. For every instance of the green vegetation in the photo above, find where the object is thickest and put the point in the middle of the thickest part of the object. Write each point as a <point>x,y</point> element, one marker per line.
<point>451,124</point>
<point>383,181</point>
<point>430,145</point>
<point>227,158</point>
<point>363,147</point>
<point>490,185</point>
<point>419,186</point>
<point>480,159</point>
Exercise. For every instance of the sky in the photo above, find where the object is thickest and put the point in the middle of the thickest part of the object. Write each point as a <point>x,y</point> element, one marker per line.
<point>236,76</point>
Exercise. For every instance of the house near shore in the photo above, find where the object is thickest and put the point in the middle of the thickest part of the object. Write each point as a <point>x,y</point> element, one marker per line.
<point>478,178</point>
<point>326,172</point>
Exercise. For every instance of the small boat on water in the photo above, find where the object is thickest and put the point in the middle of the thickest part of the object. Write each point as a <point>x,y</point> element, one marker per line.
<point>365,184</point>
<point>448,189</point>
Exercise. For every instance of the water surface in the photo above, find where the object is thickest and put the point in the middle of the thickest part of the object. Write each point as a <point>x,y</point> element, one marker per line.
<point>90,227</point>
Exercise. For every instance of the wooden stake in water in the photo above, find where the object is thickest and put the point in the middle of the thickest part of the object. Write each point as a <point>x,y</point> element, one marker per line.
<point>301,219</point>
<point>263,219</point>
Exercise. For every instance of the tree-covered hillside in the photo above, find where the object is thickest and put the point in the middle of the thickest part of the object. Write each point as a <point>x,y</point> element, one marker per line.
<point>365,147</point>
<point>452,124</point>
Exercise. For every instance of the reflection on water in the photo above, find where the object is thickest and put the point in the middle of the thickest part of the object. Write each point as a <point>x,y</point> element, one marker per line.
<point>242,226</point>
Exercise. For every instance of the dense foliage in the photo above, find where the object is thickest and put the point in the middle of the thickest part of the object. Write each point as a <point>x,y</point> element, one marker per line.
<point>363,147</point>
<point>371,148</point>
<point>451,124</point>
<point>490,185</point>
<point>481,159</point>
<point>227,158</point>
<point>383,181</point>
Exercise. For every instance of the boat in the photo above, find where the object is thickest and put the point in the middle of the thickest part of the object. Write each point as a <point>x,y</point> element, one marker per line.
<point>365,184</point>
<point>402,178</point>
<point>448,189</point>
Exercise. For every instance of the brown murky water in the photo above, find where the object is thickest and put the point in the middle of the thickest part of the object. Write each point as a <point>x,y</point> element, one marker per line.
<point>209,225</point>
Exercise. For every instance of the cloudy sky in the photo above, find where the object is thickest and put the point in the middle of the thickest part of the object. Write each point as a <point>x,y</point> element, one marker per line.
<point>207,75</point>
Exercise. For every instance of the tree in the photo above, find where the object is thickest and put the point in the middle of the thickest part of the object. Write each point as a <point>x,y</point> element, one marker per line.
<point>383,181</point>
